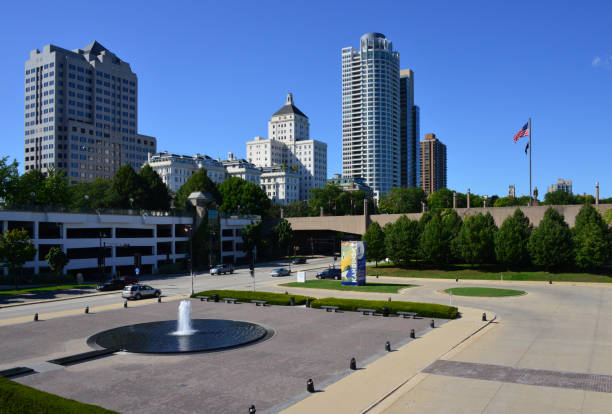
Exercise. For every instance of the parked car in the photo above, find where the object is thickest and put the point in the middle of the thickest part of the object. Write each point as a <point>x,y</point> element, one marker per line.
<point>138,291</point>
<point>331,273</point>
<point>299,260</point>
<point>129,280</point>
<point>281,271</point>
<point>112,284</point>
<point>222,269</point>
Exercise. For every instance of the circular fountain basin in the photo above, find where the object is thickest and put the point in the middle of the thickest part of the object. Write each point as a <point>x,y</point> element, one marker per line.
<point>161,338</point>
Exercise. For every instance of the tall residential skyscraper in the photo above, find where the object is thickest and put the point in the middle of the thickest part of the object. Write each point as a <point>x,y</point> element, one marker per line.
<point>380,123</point>
<point>81,113</point>
<point>433,164</point>
<point>409,132</point>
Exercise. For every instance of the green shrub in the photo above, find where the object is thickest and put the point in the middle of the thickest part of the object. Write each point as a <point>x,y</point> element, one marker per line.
<point>431,310</point>
<point>17,398</point>
<point>247,296</point>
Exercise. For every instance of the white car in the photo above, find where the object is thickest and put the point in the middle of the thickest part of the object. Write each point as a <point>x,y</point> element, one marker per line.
<point>281,271</point>
<point>222,269</point>
<point>137,291</point>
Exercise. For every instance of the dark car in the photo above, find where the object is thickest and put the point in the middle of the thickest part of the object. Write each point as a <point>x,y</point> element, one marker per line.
<point>113,284</point>
<point>299,260</point>
<point>331,273</point>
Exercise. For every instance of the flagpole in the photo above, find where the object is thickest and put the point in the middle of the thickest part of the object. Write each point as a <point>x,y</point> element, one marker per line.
<point>530,193</point>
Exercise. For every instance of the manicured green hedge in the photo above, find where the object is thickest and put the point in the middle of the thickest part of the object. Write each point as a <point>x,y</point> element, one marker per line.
<point>17,398</point>
<point>431,310</point>
<point>247,296</point>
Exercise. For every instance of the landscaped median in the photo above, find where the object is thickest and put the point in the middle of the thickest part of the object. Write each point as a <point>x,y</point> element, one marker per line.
<point>17,398</point>
<point>337,285</point>
<point>430,310</point>
<point>484,291</point>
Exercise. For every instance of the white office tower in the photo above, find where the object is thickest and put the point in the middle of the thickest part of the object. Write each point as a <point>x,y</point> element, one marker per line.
<point>370,113</point>
<point>175,170</point>
<point>81,113</point>
<point>289,146</point>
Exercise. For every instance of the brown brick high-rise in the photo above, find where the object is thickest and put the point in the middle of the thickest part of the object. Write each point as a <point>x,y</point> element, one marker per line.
<point>433,164</point>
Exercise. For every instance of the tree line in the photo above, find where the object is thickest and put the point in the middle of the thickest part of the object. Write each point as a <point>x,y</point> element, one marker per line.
<point>440,238</point>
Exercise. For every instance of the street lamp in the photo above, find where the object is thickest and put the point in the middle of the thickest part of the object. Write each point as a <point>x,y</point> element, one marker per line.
<point>188,230</point>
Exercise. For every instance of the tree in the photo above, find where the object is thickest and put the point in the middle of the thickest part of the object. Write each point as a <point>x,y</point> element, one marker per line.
<point>511,240</point>
<point>402,241</point>
<point>252,237</point>
<point>475,240</point>
<point>199,181</point>
<point>441,199</point>
<point>57,260</point>
<point>98,192</point>
<point>507,202</point>
<point>27,191</point>
<point>155,194</point>
<point>402,200</point>
<point>558,198</point>
<point>126,190</point>
<point>374,239</point>
<point>550,244</point>
<point>9,175</point>
<point>283,235</point>
<point>435,242</point>
<point>15,250</point>
<point>452,223</point>
<point>243,197</point>
<point>591,237</point>
<point>608,216</point>
<point>326,198</point>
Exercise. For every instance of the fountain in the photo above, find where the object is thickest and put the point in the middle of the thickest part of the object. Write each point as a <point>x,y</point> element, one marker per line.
<point>182,335</point>
<point>184,319</point>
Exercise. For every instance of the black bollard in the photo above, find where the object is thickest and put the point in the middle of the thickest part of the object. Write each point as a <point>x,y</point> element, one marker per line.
<point>86,309</point>
<point>308,302</point>
<point>376,276</point>
<point>457,279</point>
<point>412,335</point>
<point>385,311</point>
<point>125,304</point>
<point>550,281</point>
<point>309,386</point>
<point>388,346</point>
<point>216,297</point>
<point>484,317</point>
<point>35,317</point>
<point>252,409</point>
<point>432,324</point>
<point>389,298</point>
<point>292,301</point>
<point>159,299</point>
<point>353,364</point>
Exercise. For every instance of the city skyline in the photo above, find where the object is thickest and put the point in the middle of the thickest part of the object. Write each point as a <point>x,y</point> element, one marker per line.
<point>475,96</point>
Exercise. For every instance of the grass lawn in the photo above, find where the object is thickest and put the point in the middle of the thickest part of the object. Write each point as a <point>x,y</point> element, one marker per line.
<point>483,291</point>
<point>465,272</point>
<point>44,289</point>
<point>337,285</point>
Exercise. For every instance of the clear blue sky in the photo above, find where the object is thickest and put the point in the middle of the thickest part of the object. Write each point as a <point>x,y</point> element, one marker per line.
<point>211,73</point>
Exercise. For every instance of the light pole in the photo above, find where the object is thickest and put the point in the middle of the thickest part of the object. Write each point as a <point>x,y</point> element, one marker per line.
<point>101,255</point>
<point>188,230</point>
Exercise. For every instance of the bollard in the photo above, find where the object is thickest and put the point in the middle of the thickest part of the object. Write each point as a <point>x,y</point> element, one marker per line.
<point>412,335</point>
<point>376,276</point>
<point>484,317</point>
<point>292,301</point>
<point>457,279</point>
<point>35,317</point>
<point>308,302</point>
<point>216,297</point>
<point>389,298</point>
<point>125,304</point>
<point>550,281</point>
<point>252,409</point>
<point>86,309</point>
<point>388,346</point>
<point>385,311</point>
<point>310,386</point>
<point>353,364</point>
<point>159,299</point>
<point>432,324</point>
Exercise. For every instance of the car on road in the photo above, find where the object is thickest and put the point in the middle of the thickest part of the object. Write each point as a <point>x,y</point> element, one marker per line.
<point>138,291</point>
<point>331,273</point>
<point>281,271</point>
<point>299,260</point>
<point>222,269</point>
<point>112,284</point>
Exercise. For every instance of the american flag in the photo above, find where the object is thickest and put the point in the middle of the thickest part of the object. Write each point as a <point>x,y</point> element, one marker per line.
<point>524,132</point>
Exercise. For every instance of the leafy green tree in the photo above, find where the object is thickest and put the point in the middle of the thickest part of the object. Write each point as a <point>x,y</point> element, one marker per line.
<point>591,238</point>
<point>57,260</point>
<point>126,190</point>
<point>325,197</point>
<point>36,188</point>
<point>475,240</point>
<point>199,181</point>
<point>435,242</point>
<point>296,209</point>
<point>374,239</point>
<point>9,175</point>
<point>402,241</point>
<point>511,240</point>
<point>550,244</point>
<point>402,200</point>
<point>441,199</point>
<point>608,216</point>
<point>15,250</point>
<point>252,237</point>
<point>243,197</point>
<point>282,235</point>
<point>155,194</point>
<point>558,198</point>
<point>452,223</point>
<point>98,192</point>
<point>507,202</point>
